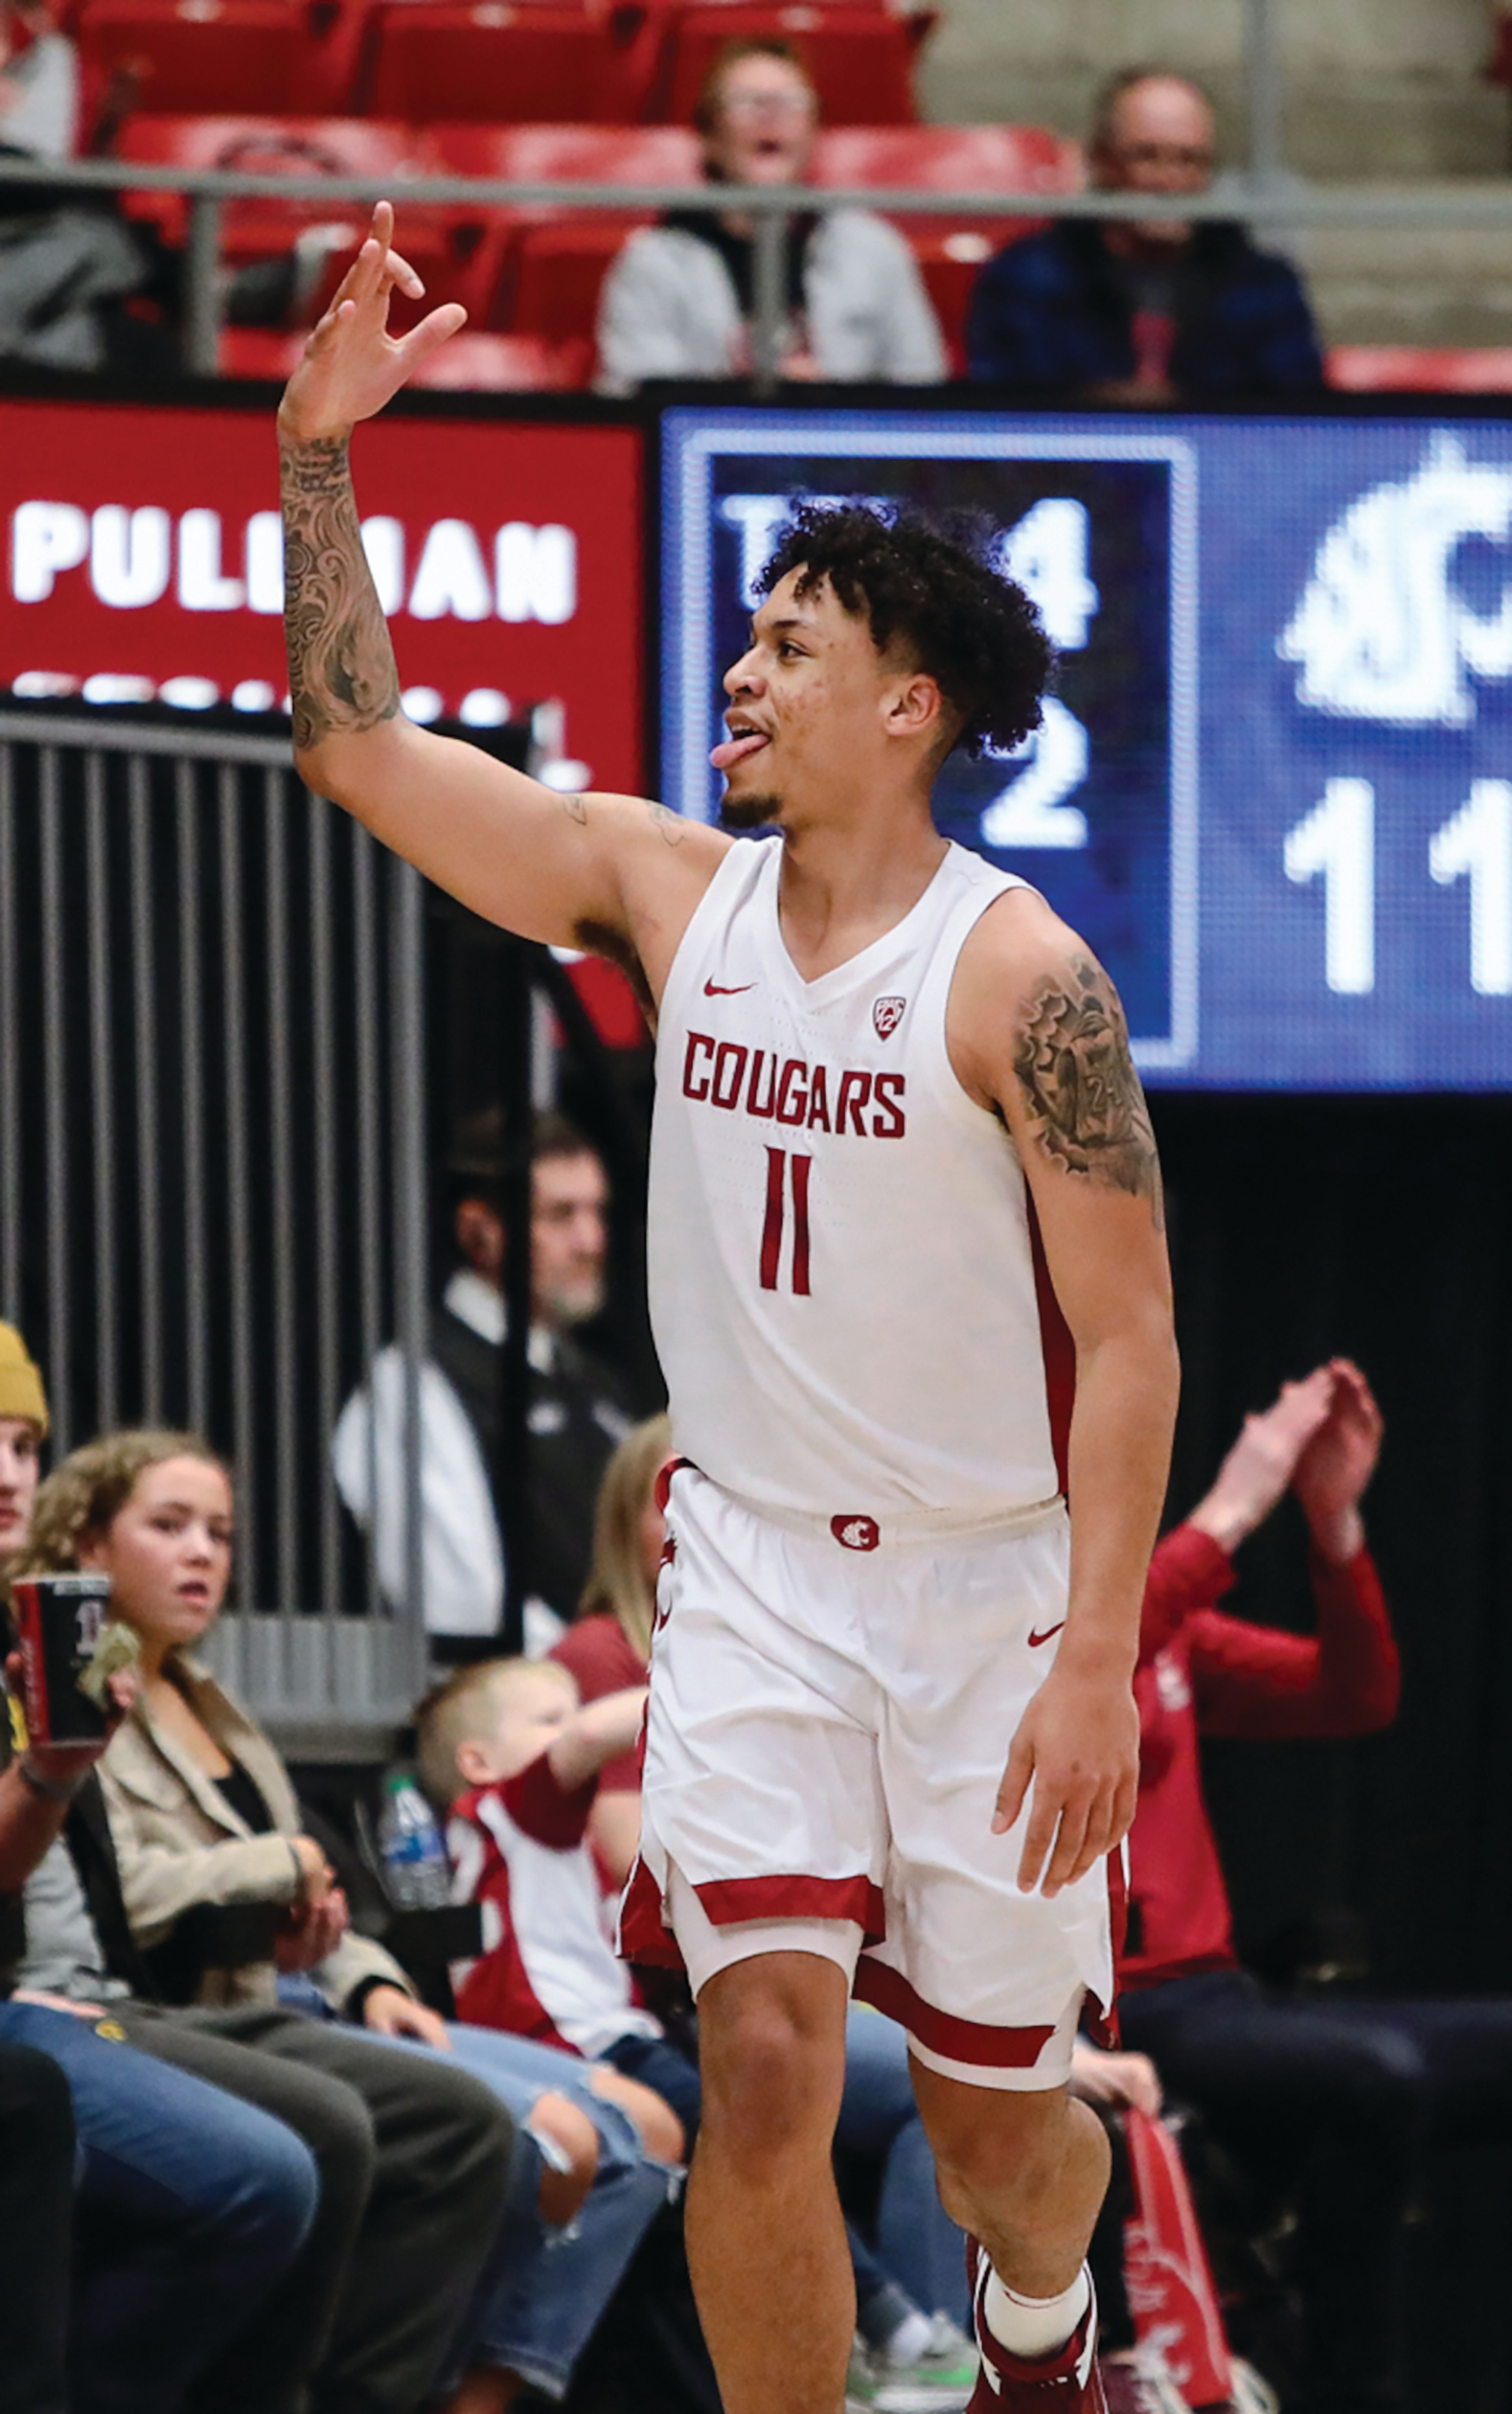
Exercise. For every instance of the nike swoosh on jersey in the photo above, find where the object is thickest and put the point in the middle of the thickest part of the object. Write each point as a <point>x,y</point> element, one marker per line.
<point>1036,1640</point>
<point>717,989</point>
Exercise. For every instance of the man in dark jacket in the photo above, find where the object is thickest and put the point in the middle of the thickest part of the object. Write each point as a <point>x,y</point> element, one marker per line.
<point>1145,311</point>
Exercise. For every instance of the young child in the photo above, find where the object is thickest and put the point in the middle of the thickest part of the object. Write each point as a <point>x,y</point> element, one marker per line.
<point>513,1735</point>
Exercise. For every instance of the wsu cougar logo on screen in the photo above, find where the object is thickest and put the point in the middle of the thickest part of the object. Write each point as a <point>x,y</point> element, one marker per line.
<point>1382,632</point>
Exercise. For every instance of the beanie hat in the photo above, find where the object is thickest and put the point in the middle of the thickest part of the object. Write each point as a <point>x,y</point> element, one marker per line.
<point>20,1382</point>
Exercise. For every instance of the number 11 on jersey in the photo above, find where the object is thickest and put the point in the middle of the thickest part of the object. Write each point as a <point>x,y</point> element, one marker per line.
<point>778,1162</point>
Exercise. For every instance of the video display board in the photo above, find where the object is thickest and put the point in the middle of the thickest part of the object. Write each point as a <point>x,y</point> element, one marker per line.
<point>144,562</point>
<point>1273,786</point>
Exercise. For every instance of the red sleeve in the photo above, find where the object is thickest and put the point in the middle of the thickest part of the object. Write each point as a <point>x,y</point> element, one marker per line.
<point>600,1655</point>
<point>1256,1683</point>
<point>1188,1573</point>
<point>544,1810</point>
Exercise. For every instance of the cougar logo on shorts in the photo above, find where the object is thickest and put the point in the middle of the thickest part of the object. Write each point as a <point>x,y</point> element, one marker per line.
<point>856,1533</point>
<point>887,1014</point>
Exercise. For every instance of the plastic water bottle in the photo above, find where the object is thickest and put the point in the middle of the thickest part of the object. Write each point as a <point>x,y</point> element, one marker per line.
<point>415,1868</point>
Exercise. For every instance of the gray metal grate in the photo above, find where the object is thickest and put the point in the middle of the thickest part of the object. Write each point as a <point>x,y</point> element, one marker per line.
<point>212,1191</point>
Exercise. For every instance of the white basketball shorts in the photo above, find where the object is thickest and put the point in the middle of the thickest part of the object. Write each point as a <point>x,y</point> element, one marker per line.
<point>829,1718</point>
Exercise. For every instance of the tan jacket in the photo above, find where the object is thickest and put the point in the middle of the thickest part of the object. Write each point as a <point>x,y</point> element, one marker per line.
<point>179,1842</point>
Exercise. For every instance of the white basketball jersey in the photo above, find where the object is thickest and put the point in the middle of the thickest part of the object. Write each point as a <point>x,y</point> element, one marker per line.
<point>842,1276</point>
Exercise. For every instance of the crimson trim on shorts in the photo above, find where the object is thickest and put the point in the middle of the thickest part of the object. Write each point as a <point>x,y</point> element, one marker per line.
<point>730,1901</point>
<point>975,2041</point>
<point>644,1934</point>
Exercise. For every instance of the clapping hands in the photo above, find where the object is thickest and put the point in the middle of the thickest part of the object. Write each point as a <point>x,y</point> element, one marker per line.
<point>1321,1437</point>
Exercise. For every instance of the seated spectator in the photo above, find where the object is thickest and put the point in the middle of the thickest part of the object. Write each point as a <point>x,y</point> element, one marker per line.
<point>202,1813</point>
<point>38,81</point>
<point>680,299</point>
<point>1339,2098</point>
<point>512,1733</point>
<point>193,2207</point>
<point>1144,311</point>
<point>608,1645</point>
<point>576,1410</point>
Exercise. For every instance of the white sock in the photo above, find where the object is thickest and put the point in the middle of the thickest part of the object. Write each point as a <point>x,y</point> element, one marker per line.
<point>911,2339</point>
<point>1034,2325</point>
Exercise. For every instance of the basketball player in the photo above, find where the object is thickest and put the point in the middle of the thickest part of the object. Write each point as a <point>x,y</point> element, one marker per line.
<point>891,1739</point>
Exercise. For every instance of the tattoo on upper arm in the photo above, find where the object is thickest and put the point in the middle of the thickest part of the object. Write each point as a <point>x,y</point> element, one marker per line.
<point>1085,1107</point>
<point>341,669</point>
<point>575,808</point>
<point>671,825</point>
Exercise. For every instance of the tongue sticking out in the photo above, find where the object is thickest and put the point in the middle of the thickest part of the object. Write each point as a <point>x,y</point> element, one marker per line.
<point>734,750</point>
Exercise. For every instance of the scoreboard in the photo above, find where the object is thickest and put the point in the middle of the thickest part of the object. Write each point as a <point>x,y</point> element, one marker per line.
<point>1273,786</point>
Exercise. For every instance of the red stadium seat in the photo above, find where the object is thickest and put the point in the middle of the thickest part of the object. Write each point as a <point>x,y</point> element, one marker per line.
<point>497,60</point>
<point>333,147</point>
<point>457,252</point>
<point>183,55</point>
<point>648,154</point>
<point>476,364</point>
<point>952,158</point>
<point>508,363</point>
<point>860,56</point>
<point>1405,368</point>
<point>554,276</point>
<point>598,155</point>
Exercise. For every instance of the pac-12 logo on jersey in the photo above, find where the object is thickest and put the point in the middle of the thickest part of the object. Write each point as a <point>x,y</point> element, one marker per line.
<point>886,1014</point>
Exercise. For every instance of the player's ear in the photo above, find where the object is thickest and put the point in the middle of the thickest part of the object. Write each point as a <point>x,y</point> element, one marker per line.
<point>916,706</point>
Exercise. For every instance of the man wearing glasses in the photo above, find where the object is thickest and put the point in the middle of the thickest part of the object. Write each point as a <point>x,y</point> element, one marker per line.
<point>679,300</point>
<point>1140,312</point>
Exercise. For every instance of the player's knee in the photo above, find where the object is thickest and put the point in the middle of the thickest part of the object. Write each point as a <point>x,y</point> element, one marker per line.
<point>1009,2161</point>
<point>770,2077</point>
<point>572,2132</point>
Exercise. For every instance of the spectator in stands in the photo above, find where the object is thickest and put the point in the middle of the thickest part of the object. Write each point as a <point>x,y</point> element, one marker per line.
<point>202,1813</point>
<point>576,1410</point>
<point>680,301</point>
<point>1145,311</point>
<point>195,2205</point>
<point>38,81</point>
<point>1342,2095</point>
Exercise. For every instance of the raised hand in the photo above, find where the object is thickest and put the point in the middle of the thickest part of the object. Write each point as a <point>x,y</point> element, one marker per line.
<point>1264,1460</point>
<point>352,366</point>
<point>1338,1461</point>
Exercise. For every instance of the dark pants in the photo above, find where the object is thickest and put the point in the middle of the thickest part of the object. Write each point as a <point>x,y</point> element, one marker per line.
<point>191,2208</point>
<point>37,2149</point>
<point>1340,2100</point>
<point>413,2156</point>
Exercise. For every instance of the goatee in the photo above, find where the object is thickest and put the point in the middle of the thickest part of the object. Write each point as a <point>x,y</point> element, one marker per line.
<point>749,812</point>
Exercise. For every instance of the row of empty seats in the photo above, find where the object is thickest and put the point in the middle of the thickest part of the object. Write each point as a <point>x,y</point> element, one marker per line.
<point>619,62</point>
<point>534,271</point>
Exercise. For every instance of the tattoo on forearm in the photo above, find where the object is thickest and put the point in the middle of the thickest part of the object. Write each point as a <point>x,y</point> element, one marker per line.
<point>1085,1107</point>
<point>341,669</point>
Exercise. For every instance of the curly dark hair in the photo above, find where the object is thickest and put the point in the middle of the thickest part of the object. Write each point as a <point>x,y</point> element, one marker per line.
<point>930,583</point>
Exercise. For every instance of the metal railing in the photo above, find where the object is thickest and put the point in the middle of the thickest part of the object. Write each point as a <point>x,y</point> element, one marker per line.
<point>1266,193</point>
<point>212,1157</point>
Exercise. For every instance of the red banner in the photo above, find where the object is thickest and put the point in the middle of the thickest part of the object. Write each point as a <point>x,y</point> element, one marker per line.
<point>143,562</point>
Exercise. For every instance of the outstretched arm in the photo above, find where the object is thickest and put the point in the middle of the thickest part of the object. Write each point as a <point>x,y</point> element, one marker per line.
<point>1038,1033</point>
<point>611,873</point>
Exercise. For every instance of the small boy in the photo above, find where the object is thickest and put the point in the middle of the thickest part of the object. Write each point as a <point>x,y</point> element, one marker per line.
<point>512,1734</point>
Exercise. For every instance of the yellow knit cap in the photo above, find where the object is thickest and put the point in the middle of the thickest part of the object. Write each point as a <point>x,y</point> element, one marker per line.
<point>20,1382</point>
